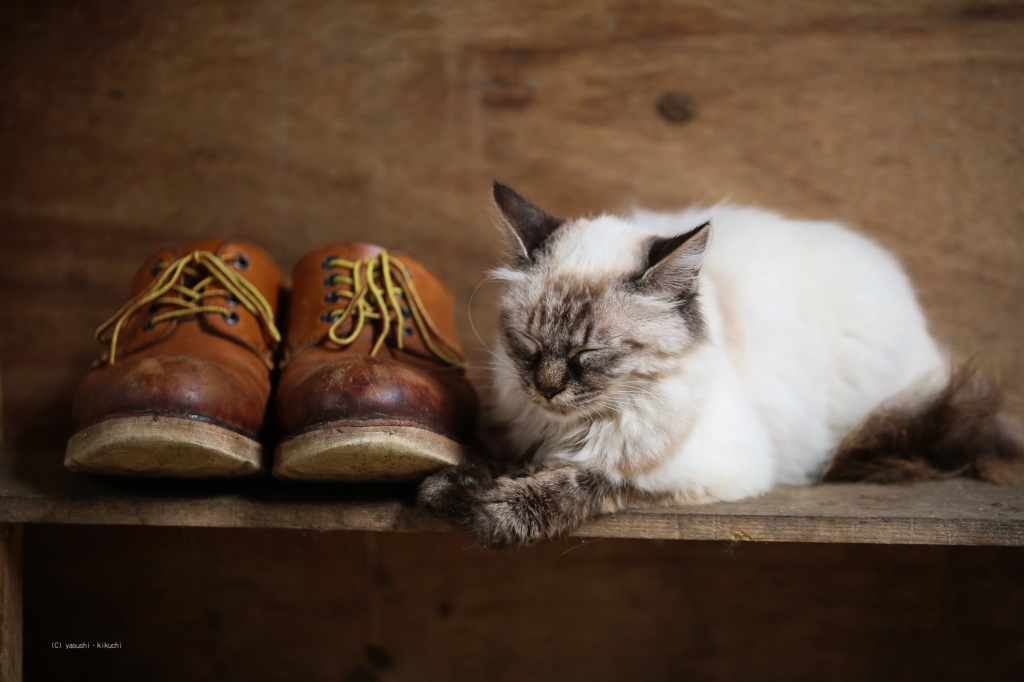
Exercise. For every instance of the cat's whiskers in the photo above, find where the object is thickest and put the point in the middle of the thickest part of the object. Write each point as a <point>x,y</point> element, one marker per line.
<point>634,390</point>
<point>490,352</point>
<point>635,402</point>
<point>587,430</point>
<point>633,416</point>
<point>502,370</point>
<point>469,313</point>
<point>678,402</point>
<point>494,372</point>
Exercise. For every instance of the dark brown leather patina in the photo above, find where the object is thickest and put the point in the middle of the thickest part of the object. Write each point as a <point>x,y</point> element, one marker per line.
<point>204,365</point>
<point>324,382</point>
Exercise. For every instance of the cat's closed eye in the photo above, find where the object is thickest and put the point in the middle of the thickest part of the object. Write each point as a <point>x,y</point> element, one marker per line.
<point>524,343</point>
<point>582,354</point>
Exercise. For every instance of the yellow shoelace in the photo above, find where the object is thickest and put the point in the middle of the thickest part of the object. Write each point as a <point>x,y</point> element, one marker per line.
<point>384,304</point>
<point>166,291</point>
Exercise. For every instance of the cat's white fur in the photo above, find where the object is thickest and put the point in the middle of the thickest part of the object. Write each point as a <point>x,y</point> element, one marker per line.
<point>810,327</point>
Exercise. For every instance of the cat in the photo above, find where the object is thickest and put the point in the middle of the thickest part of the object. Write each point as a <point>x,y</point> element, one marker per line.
<point>706,355</point>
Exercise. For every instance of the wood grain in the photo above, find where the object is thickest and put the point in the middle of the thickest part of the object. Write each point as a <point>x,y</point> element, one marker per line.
<point>957,512</point>
<point>210,604</point>
<point>11,602</point>
<point>129,124</point>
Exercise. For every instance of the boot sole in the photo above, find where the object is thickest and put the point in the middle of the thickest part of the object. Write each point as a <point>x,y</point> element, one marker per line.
<point>156,445</point>
<point>365,453</point>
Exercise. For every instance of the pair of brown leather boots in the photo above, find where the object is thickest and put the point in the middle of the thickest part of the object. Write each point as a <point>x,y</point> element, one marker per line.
<point>370,386</point>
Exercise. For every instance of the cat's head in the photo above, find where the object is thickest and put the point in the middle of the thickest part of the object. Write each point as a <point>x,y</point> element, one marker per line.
<point>594,308</point>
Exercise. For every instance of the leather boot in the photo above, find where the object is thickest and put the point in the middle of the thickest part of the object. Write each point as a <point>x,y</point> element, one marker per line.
<point>372,385</point>
<point>183,386</point>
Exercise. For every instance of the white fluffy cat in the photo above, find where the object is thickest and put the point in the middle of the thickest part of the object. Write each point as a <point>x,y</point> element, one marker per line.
<point>700,356</point>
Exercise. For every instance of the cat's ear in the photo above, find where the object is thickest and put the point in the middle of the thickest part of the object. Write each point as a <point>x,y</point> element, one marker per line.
<point>673,262</point>
<point>528,226</point>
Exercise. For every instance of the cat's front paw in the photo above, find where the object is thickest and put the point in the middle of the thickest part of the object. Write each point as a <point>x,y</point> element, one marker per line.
<point>454,491</point>
<point>507,516</point>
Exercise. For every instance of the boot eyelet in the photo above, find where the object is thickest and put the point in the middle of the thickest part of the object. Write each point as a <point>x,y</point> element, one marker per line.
<point>157,268</point>
<point>326,265</point>
<point>331,281</point>
<point>232,301</point>
<point>149,326</point>
<point>154,308</point>
<point>232,318</point>
<point>328,316</point>
<point>408,331</point>
<point>406,312</point>
<point>332,297</point>
<point>241,262</point>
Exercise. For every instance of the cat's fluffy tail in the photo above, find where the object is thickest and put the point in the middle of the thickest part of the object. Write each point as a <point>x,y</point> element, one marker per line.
<point>959,431</point>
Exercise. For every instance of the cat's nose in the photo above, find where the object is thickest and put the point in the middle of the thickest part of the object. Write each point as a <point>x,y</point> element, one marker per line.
<point>550,392</point>
<point>550,376</point>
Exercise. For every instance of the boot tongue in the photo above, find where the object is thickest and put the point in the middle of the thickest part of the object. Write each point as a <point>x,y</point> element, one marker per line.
<point>354,251</point>
<point>211,245</point>
<point>153,265</point>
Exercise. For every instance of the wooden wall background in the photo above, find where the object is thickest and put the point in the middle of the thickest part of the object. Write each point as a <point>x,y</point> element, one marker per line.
<point>128,124</point>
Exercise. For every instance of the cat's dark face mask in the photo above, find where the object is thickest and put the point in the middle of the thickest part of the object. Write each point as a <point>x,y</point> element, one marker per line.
<point>564,356</point>
<point>583,341</point>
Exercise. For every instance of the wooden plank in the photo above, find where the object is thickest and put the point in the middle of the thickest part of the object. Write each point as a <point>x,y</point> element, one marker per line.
<point>723,525</point>
<point>956,512</point>
<point>10,602</point>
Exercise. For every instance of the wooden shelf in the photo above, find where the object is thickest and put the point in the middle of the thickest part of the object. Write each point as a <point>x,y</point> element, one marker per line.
<point>34,488</point>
